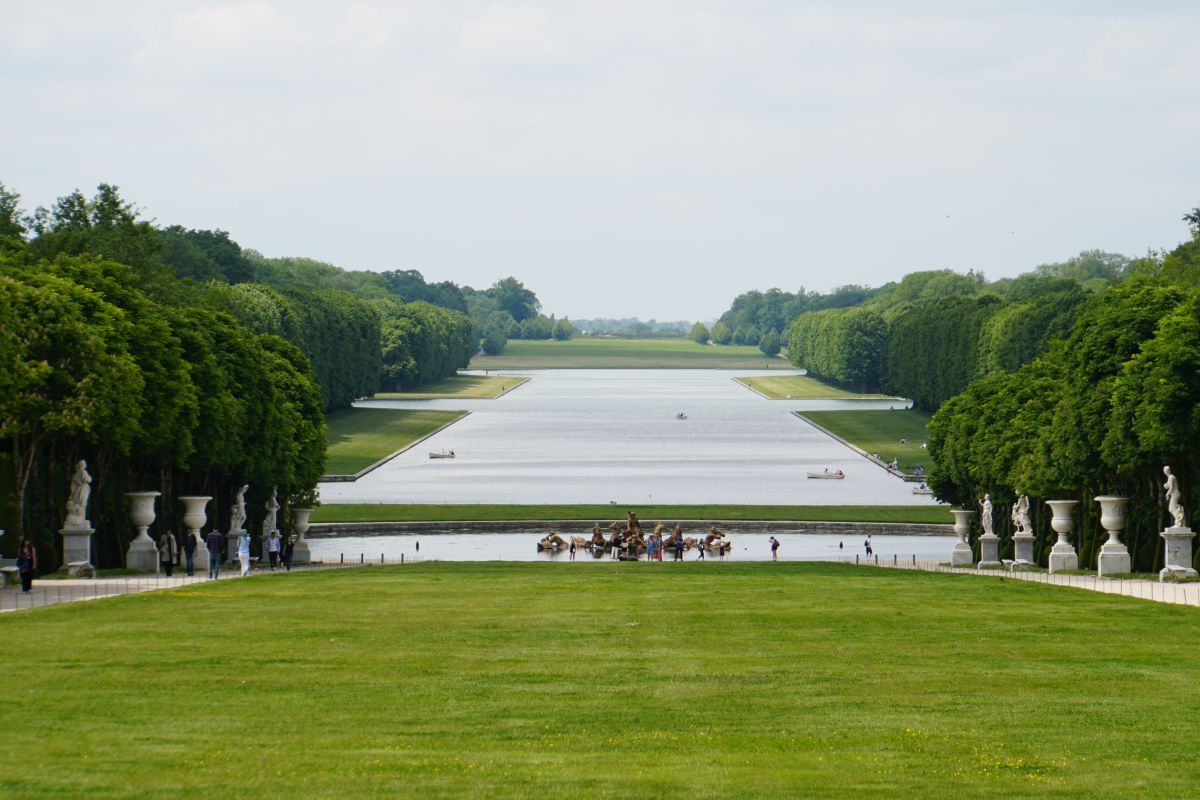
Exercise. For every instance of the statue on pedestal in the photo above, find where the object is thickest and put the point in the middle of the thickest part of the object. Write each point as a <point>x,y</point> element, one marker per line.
<point>272,506</point>
<point>986,517</point>
<point>1174,502</point>
<point>237,516</point>
<point>1020,514</point>
<point>81,489</point>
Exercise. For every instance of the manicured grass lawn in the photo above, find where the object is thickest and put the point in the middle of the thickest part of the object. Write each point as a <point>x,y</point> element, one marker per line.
<point>475,387</point>
<point>504,680</point>
<point>368,512</point>
<point>880,432</point>
<point>801,386</point>
<point>358,437</point>
<point>585,353</point>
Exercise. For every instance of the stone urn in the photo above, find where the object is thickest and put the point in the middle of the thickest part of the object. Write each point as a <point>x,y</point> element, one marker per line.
<point>1114,557</point>
<point>195,517</point>
<point>1062,520</point>
<point>300,516</point>
<point>142,553</point>
<point>961,555</point>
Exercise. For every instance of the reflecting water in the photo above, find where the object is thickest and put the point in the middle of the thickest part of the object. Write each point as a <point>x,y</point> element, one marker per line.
<point>747,546</point>
<point>595,436</point>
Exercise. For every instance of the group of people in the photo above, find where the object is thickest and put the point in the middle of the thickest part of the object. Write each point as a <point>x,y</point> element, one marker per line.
<point>279,551</point>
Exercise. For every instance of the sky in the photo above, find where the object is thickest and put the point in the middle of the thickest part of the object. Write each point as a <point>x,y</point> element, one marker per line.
<point>621,157</point>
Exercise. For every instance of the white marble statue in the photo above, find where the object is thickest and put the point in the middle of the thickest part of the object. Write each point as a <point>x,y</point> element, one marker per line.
<point>1020,515</point>
<point>986,517</point>
<point>272,506</point>
<point>1174,503</point>
<point>81,489</point>
<point>237,516</point>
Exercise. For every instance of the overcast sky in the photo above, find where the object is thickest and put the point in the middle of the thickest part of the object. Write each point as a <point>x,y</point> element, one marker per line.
<point>638,158</point>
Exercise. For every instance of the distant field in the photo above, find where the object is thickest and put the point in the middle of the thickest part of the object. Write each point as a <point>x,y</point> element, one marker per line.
<point>801,386</point>
<point>369,512</point>
<point>358,437</point>
<point>880,432</point>
<point>586,353</point>
<point>460,387</point>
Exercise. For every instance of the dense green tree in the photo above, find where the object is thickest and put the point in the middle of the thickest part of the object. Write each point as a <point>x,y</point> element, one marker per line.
<point>563,330</point>
<point>769,344</point>
<point>700,333</point>
<point>721,334</point>
<point>512,296</point>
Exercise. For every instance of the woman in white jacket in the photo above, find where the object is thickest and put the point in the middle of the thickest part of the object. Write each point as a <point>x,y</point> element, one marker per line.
<point>243,550</point>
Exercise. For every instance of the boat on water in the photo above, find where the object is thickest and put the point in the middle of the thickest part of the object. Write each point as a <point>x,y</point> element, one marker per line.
<point>681,415</point>
<point>836,475</point>
<point>441,454</point>
<point>922,489</point>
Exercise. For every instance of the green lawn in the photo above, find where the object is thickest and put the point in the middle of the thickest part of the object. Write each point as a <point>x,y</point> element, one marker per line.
<point>502,680</point>
<point>801,386</point>
<point>880,432</point>
<point>586,353</point>
<point>358,437</point>
<point>368,512</point>
<point>474,387</point>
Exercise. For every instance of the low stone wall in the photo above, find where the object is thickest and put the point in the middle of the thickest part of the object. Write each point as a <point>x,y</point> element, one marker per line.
<point>580,527</point>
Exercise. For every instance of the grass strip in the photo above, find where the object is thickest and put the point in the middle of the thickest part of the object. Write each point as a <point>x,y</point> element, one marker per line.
<point>460,387</point>
<point>784,387</point>
<point>587,353</point>
<point>358,437</point>
<point>880,432</point>
<point>602,680</point>
<point>382,512</point>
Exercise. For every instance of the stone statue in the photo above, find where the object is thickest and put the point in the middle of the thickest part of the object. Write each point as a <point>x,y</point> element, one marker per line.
<point>81,489</point>
<point>1020,515</point>
<point>272,506</point>
<point>986,517</point>
<point>237,516</point>
<point>1174,505</point>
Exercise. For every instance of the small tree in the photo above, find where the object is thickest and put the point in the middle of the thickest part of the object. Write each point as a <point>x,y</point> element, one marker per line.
<point>494,342</point>
<point>769,344</point>
<point>563,330</point>
<point>721,333</point>
<point>700,333</point>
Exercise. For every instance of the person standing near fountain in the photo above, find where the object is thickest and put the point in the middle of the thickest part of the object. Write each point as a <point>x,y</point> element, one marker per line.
<point>216,546</point>
<point>167,550</point>
<point>243,550</point>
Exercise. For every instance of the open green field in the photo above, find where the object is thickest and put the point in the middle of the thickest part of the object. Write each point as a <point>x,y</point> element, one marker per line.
<point>801,386</point>
<point>372,512</point>
<point>880,432</point>
<point>358,437</point>
<point>603,680</point>
<point>586,353</point>
<point>473,387</point>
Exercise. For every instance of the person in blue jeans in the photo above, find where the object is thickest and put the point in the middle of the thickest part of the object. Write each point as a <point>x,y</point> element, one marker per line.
<point>216,543</point>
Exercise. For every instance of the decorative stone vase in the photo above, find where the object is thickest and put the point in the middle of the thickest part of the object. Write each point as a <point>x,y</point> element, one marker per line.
<point>142,553</point>
<point>1062,520</point>
<point>1114,557</point>
<point>301,553</point>
<point>195,517</point>
<point>961,556</point>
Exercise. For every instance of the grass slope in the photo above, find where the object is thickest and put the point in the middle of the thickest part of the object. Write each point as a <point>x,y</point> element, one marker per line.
<point>801,386</point>
<point>358,437</point>
<point>371,512</point>
<point>473,387</point>
<point>586,353</point>
<point>880,432</point>
<point>616,680</point>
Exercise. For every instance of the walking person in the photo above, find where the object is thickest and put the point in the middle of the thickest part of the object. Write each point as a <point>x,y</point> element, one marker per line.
<point>867,546</point>
<point>289,550</point>
<point>26,564</point>
<point>721,551</point>
<point>189,553</point>
<point>167,551</point>
<point>572,549</point>
<point>774,549</point>
<point>243,550</point>
<point>700,547</point>
<point>273,544</point>
<point>216,544</point>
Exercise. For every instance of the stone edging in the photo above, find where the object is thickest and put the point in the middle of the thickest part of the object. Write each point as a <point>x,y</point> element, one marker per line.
<point>385,459</point>
<point>332,529</point>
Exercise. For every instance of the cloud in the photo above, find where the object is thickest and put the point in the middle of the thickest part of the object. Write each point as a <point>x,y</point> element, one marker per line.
<point>508,34</point>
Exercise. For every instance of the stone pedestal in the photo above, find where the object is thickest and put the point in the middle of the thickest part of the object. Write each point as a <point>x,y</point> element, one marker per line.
<point>1063,555</point>
<point>1114,557</point>
<point>1023,550</point>
<point>1178,559</point>
<point>142,553</point>
<point>300,552</point>
<point>77,545</point>
<point>989,551</point>
<point>961,556</point>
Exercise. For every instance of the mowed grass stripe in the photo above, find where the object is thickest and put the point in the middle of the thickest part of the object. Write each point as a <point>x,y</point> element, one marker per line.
<point>458,387</point>
<point>802,387</point>
<point>585,353</point>
<point>358,437</point>
<point>880,432</point>
<point>382,512</point>
<point>625,680</point>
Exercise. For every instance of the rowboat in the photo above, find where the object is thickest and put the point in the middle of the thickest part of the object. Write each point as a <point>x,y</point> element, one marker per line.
<point>828,476</point>
<point>922,490</point>
<point>441,454</point>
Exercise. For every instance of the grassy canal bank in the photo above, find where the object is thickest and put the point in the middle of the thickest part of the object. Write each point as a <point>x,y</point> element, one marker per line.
<point>359,437</point>
<point>602,680</point>
<point>586,353</point>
